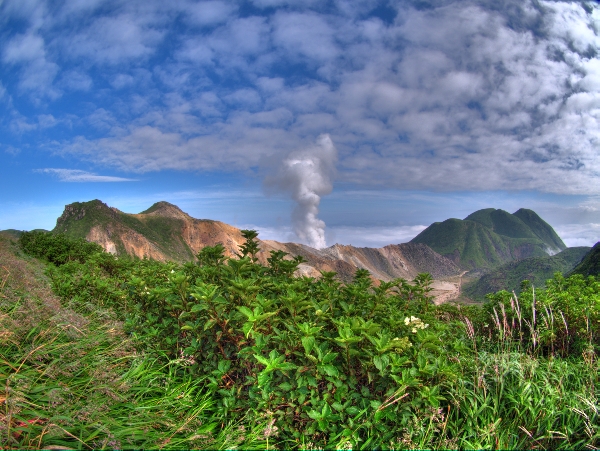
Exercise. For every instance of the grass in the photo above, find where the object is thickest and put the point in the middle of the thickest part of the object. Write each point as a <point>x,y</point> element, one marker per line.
<point>74,380</point>
<point>70,377</point>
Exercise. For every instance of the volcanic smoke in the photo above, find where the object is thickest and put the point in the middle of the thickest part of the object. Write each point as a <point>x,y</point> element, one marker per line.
<point>307,175</point>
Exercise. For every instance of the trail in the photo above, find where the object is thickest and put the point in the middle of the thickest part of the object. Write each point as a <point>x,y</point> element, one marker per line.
<point>445,291</point>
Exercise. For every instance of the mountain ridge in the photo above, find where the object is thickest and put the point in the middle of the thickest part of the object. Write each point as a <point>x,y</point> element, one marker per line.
<point>165,232</point>
<point>590,263</point>
<point>490,237</point>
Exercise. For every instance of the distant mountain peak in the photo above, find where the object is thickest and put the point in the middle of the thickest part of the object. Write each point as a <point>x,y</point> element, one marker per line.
<point>166,210</point>
<point>490,237</point>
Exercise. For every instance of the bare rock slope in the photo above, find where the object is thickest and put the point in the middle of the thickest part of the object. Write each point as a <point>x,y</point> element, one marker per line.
<point>164,232</point>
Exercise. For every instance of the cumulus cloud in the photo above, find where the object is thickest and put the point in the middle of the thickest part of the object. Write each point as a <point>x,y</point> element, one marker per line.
<point>75,175</point>
<point>447,95</point>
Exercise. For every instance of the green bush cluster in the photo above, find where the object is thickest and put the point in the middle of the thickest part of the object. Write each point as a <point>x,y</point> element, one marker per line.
<point>323,359</point>
<point>57,248</point>
<point>363,364</point>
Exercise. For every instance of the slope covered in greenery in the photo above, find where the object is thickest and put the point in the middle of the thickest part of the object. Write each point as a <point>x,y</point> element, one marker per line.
<point>229,353</point>
<point>541,228</point>
<point>537,270</point>
<point>163,232</point>
<point>590,264</point>
<point>489,237</point>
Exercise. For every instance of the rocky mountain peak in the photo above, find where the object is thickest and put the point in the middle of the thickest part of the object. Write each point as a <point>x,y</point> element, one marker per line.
<point>166,210</point>
<point>78,210</point>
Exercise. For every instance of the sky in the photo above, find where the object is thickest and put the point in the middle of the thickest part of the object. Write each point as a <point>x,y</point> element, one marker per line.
<point>319,121</point>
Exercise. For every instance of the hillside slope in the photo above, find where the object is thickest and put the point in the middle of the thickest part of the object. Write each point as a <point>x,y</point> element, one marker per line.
<point>590,263</point>
<point>164,232</point>
<point>535,269</point>
<point>488,238</point>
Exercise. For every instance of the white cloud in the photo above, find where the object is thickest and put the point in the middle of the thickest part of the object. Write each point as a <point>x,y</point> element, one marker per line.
<point>115,39</point>
<point>37,72</point>
<point>24,48</point>
<point>579,234</point>
<point>75,175</point>
<point>306,35</point>
<point>455,96</point>
<point>208,12</point>
<point>47,120</point>
<point>76,81</point>
<point>373,236</point>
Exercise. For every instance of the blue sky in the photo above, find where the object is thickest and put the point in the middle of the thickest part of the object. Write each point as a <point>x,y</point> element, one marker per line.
<point>358,122</point>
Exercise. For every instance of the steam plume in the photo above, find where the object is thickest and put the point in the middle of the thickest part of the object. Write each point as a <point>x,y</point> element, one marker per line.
<point>307,175</point>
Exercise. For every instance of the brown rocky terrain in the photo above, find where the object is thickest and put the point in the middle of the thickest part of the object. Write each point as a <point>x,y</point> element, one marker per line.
<point>165,232</point>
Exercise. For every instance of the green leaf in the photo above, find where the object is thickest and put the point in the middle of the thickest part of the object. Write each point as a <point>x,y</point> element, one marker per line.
<point>246,311</point>
<point>330,370</point>
<point>308,343</point>
<point>187,328</point>
<point>247,327</point>
<point>375,404</point>
<point>377,362</point>
<point>209,324</point>
<point>329,357</point>
<point>197,308</point>
<point>314,415</point>
<point>262,360</point>
<point>286,386</point>
<point>352,410</point>
<point>287,366</point>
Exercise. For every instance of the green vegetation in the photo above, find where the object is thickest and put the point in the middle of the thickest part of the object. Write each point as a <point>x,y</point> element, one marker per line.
<point>228,353</point>
<point>489,237</point>
<point>163,232</point>
<point>541,228</point>
<point>536,270</point>
<point>57,248</point>
<point>590,264</point>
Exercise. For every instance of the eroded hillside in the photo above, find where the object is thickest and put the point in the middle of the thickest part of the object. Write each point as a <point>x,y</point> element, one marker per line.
<point>164,232</point>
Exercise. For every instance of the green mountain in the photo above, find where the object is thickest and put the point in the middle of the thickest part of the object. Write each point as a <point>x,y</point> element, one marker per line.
<point>535,269</point>
<point>163,232</point>
<point>541,228</point>
<point>490,237</point>
<point>590,264</point>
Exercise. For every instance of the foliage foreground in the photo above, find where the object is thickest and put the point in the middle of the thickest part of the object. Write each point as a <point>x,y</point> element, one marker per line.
<point>226,353</point>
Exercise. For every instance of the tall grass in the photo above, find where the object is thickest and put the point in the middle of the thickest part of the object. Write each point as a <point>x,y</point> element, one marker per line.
<point>86,388</point>
<point>71,379</point>
<point>521,375</point>
<point>517,392</point>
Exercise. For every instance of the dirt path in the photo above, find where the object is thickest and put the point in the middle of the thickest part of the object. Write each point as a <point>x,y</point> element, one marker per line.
<point>444,291</point>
